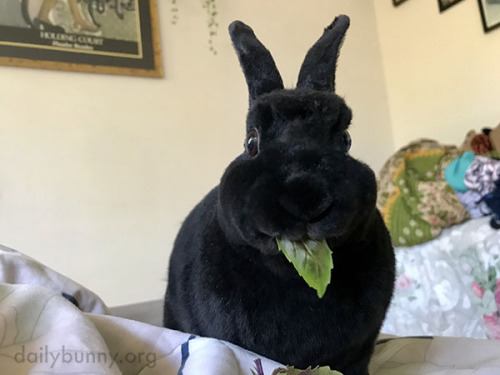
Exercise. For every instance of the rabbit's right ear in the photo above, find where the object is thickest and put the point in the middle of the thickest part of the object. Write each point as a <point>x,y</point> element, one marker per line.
<point>258,65</point>
<point>318,69</point>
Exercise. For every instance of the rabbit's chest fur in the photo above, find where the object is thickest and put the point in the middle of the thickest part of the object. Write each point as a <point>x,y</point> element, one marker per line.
<point>227,291</point>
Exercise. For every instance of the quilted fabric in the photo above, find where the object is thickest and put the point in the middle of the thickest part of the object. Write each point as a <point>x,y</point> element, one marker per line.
<point>414,198</point>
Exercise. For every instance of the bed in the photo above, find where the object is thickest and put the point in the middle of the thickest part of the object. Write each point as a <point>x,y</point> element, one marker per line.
<point>447,252</point>
<point>52,325</point>
<point>449,286</point>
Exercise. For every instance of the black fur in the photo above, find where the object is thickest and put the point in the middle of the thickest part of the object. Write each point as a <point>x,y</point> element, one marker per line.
<point>227,278</point>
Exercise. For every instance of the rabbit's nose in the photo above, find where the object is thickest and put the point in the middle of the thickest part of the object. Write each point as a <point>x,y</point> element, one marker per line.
<point>305,198</point>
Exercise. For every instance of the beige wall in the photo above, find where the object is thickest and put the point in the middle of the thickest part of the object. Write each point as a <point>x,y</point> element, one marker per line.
<point>442,71</point>
<point>97,172</point>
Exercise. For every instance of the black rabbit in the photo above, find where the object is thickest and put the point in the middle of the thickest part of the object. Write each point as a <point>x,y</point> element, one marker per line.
<point>295,180</point>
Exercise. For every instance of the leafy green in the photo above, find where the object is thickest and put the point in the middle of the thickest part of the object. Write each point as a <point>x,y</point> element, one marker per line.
<point>290,370</point>
<point>312,259</point>
<point>309,371</point>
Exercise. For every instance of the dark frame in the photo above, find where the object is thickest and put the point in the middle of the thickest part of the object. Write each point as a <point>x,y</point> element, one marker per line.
<point>50,46</point>
<point>397,2</point>
<point>484,7</point>
<point>445,4</point>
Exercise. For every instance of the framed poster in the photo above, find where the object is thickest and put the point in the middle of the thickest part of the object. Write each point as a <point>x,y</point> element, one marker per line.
<point>445,4</point>
<point>490,14</point>
<point>101,36</point>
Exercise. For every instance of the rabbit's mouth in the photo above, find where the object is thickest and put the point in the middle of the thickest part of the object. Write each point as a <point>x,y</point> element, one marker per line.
<point>305,207</point>
<point>331,226</point>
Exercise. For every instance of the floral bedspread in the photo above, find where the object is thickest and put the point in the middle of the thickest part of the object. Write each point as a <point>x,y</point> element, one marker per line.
<point>449,286</point>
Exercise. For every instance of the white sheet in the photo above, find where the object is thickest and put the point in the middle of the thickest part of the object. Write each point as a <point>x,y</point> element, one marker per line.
<point>18,268</point>
<point>449,286</point>
<point>41,332</point>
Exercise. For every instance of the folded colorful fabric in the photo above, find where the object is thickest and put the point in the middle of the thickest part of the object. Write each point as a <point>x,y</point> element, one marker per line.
<point>474,204</point>
<point>414,198</point>
<point>455,171</point>
<point>482,174</point>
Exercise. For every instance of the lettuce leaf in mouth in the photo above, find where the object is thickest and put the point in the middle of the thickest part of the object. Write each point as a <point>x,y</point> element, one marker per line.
<point>312,259</point>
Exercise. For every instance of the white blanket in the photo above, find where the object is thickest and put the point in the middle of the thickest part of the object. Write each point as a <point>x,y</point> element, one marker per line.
<point>43,332</point>
<point>449,286</point>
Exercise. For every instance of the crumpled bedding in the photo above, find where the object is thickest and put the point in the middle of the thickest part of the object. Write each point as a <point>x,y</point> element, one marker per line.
<point>44,332</point>
<point>415,199</point>
<point>482,174</point>
<point>449,286</point>
<point>18,268</point>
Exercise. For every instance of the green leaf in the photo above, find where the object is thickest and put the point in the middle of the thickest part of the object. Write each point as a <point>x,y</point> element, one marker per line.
<point>312,260</point>
<point>325,371</point>
<point>290,370</point>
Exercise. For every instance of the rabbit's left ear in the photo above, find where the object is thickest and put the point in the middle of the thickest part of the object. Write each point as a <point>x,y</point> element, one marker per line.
<point>318,69</point>
<point>258,65</point>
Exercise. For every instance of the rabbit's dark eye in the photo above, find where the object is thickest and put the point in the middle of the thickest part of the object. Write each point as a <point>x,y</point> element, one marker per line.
<point>252,143</point>
<point>347,140</point>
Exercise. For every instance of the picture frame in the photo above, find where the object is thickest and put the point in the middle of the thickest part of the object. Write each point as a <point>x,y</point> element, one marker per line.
<point>99,36</point>
<point>445,4</point>
<point>397,2</point>
<point>490,14</point>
